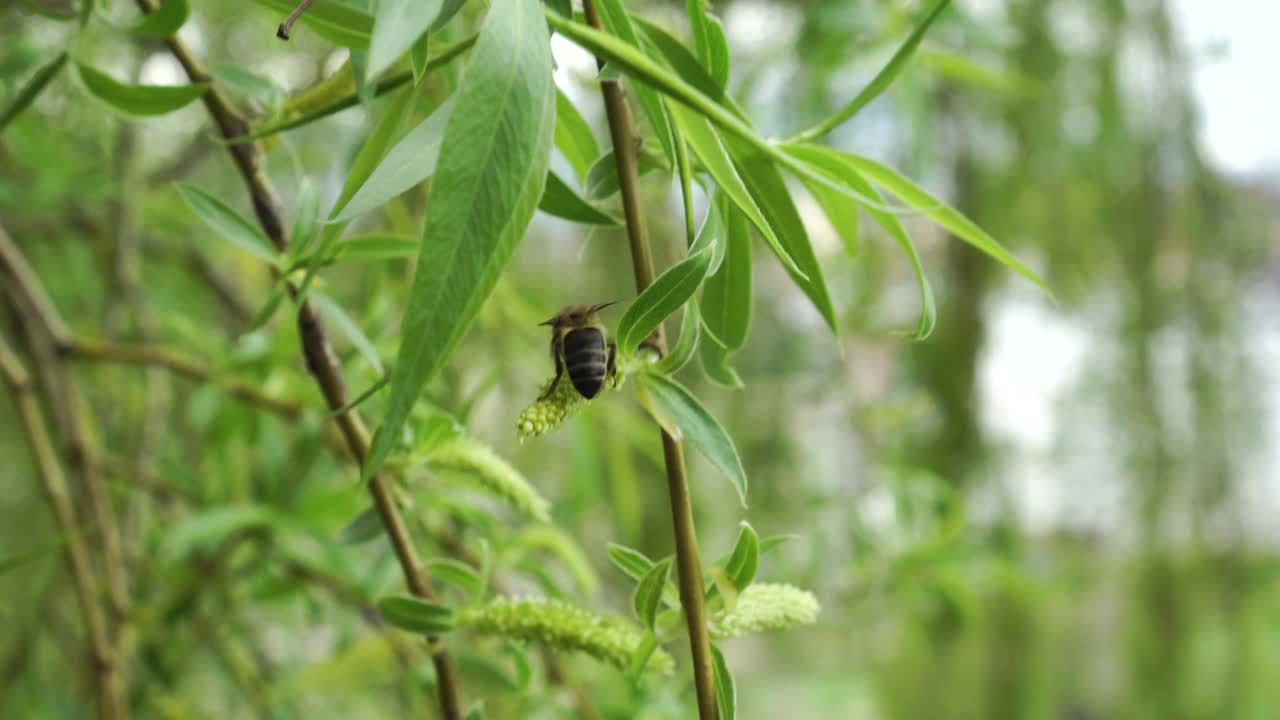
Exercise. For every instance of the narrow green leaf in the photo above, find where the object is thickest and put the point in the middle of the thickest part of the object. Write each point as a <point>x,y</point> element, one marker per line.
<point>411,161</point>
<point>958,67</point>
<point>563,7</point>
<point>640,658</point>
<point>419,53</point>
<point>447,11</point>
<point>712,233</point>
<point>560,200</point>
<point>880,82</point>
<point>745,559</point>
<point>397,25</point>
<point>618,22</point>
<point>635,565</point>
<point>204,530</point>
<point>348,327</point>
<point>574,136</point>
<point>164,20</point>
<point>629,560</point>
<point>842,214</point>
<point>335,21</point>
<point>459,574</point>
<point>350,100</point>
<point>771,194</point>
<point>365,527</point>
<point>375,246</point>
<point>677,57</point>
<point>831,163</point>
<point>305,219</point>
<point>373,151</point>
<point>491,171</point>
<point>227,223</point>
<point>648,593</point>
<point>699,427</point>
<point>726,690</point>
<point>363,396</point>
<point>709,41</point>
<point>635,64</point>
<point>415,615</point>
<point>726,295</point>
<point>714,359</point>
<point>680,353</point>
<point>671,290</point>
<point>138,100</point>
<point>268,309</point>
<point>602,177</point>
<point>32,89</point>
<point>941,213</point>
<point>715,158</point>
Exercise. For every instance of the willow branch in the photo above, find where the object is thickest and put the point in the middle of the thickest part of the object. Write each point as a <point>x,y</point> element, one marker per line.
<point>50,333</point>
<point>322,361</point>
<point>103,662</point>
<point>180,364</point>
<point>688,564</point>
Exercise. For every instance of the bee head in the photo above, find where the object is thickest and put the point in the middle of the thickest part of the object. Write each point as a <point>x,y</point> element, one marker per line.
<point>575,315</point>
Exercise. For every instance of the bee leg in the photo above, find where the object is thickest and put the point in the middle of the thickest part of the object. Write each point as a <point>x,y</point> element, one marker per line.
<point>611,371</point>
<point>555,355</point>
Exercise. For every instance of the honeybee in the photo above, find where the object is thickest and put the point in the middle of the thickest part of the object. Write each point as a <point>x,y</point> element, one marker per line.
<point>579,344</point>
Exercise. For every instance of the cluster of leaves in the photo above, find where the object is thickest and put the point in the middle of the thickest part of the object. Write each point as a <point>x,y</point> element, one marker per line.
<point>486,152</point>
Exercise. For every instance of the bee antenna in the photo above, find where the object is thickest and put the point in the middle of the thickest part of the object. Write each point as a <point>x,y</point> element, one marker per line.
<point>598,308</point>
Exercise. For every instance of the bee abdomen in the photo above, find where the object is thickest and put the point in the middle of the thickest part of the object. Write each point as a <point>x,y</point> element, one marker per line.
<point>585,360</point>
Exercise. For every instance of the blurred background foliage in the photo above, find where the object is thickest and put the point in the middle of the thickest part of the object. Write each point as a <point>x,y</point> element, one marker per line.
<point>1041,511</point>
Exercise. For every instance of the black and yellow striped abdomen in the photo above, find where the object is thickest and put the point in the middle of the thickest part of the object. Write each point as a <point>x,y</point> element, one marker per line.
<point>585,360</point>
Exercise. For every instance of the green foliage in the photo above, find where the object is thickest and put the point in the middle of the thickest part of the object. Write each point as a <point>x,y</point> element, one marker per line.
<point>666,295</point>
<point>467,242</point>
<point>32,89</point>
<point>692,420</point>
<point>139,100</point>
<point>259,577</point>
<point>415,615</point>
<point>165,20</point>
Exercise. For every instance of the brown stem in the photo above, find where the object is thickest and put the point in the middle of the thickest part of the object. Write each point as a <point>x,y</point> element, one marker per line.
<point>103,662</point>
<point>322,362</point>
<point>28,294</point>
<point>180,363</point>
<point>282,32</point>
<point>688,564</point>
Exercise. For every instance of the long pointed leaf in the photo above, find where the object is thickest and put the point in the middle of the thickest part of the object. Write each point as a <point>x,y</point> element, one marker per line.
<point>880,82</point>
<point>397,24</point>
<point>830,163</point>
<point>32,89</point>
<point>491,172</point>
<point>699,427</point>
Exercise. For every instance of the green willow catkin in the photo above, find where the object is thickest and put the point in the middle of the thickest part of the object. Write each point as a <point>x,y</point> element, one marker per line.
<point>493,474</point>
<point>546,415</point>
<point>543,416</point>
<point>769,606</point>
<point>562,626</point>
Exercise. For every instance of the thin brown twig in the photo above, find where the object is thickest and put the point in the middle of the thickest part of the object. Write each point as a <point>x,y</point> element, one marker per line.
<point>103,660</point>
<point>181,364</point>
<point>688,564</point>
<point>282,32</point>
<point>320,357</point>
<point>29,295</point>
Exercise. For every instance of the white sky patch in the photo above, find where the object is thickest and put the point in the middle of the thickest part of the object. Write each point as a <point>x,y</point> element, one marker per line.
<point>1235,61</point>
